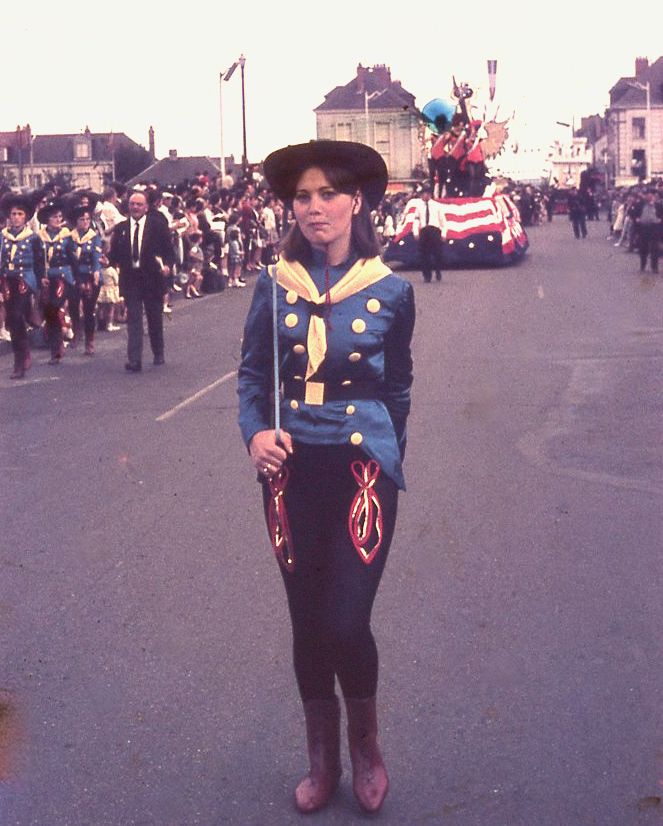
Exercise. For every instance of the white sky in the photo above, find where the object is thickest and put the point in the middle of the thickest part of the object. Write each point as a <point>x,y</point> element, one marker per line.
<point>124,66</point>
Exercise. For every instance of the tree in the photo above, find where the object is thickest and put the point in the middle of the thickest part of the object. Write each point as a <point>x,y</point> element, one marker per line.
<point>7,180</point>
<point>60,180</point>
<point>130,161</point>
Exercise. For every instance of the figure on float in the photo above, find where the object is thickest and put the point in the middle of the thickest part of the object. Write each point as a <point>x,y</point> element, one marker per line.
<point>457,162</point>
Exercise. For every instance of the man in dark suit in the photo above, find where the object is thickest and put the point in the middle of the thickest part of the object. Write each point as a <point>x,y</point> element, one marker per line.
<point>142,251</point>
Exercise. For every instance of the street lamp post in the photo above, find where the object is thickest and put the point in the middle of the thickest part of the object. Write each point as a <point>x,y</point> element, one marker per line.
<point>241,60</point>
<point>245,159</point>
<point>649,131</point>
<point>368,97</point>
<point>645,87</point>
<point>223,157</point>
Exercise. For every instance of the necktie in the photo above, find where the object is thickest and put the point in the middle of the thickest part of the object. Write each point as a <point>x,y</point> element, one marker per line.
<point>134,249</point>
<point>427,214</point>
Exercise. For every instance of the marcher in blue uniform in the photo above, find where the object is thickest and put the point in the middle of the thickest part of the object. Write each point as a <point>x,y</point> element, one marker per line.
<point>88,248</point>
<point>21,270</point>
<point>330,485</point>
<point>59,282</point>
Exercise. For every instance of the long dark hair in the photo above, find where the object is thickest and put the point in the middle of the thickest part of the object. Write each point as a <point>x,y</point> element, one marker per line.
<point>363,241</point>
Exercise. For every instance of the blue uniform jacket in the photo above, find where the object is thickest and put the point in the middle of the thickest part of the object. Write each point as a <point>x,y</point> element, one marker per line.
<point>88,250</point>
<point>368,340</point>
<point>60,255</point>
<point>22,256</point>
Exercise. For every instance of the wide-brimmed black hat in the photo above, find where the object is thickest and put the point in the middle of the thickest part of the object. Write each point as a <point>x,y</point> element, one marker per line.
<point>73,199</point>
<point>50,209</point>
<point>20,200</point>
<point>77,211</point>
<point>284,167</point>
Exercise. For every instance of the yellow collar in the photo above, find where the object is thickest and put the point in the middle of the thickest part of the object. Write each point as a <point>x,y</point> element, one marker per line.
<point>63,232</point>
<point>291,275</point>
<point>23,234</point>
<point>89,235</point>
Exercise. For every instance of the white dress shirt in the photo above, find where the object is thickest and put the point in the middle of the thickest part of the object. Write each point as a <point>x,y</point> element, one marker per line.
<point>141,229</point>
<point>435,216</point>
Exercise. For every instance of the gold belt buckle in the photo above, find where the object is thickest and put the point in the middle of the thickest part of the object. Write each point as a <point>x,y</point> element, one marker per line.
<point>314,392</point>
<point>10,266</point>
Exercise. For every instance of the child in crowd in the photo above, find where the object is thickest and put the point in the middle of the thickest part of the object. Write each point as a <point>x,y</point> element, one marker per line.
<point>4,332</point>
<point>109,303</point>
<point>195,261</point>
<point>235,257</point>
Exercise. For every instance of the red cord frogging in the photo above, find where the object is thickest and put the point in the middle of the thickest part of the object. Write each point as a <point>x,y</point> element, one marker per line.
<point>277,517</point>
<point>365,518</point>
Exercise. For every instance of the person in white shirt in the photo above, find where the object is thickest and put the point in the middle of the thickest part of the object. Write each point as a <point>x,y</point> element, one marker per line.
<point>428,228</point>
<point>108,214</point>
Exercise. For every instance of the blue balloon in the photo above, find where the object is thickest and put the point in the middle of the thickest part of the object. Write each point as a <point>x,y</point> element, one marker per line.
<point>438,113</point>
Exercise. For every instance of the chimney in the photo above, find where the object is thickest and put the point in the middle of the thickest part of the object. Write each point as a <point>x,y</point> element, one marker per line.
<point>641,67</point>
<point>382,75</point>
<point>362,71</point>
<point>172,153</point>
<point>151,142</point>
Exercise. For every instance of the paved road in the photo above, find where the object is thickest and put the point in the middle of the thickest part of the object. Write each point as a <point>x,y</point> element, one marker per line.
<point>143,631</point>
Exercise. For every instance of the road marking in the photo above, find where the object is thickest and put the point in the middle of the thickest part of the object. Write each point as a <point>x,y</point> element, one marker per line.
<point>170,413</point>
<point>589,378</point>
<point>23,382</point>
<point>540,291</point>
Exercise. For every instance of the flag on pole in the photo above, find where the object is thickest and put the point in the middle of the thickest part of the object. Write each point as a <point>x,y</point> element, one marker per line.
<point>492,74</point>
<point>230,71</point>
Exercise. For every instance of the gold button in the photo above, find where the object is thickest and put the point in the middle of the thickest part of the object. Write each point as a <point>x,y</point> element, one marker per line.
<point>298,378</point>
<point>350,409</point>
<point>358,325</point>
<point>354,356</point>
<point>298,348</point>
<point>291,297</point>
<point>356,438</point>
<point>291,320</point>
<point>373,305</point>
<point>294,404</point>
<point>346,383</point>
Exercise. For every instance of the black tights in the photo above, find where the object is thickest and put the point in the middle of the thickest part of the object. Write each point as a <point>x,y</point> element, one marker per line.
<point>331,590</point>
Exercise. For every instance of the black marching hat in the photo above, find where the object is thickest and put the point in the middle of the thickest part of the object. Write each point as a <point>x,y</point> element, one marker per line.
<point>17,199</point>
<point>284,167</point>
<point>77,211</point>
<point>50,209</point>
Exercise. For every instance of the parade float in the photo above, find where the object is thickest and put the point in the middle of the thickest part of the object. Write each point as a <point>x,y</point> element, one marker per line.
<point>482,225</point>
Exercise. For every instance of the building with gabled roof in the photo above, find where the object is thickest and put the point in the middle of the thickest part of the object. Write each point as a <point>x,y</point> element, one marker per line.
<point>376,110</point>
<point>634,125</point>
<point>173,170</point>
<point>29,161</point>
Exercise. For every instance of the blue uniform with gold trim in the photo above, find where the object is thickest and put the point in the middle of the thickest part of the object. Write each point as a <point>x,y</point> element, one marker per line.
<point>22,256</point>
<point>368,342</point>
<point>88,250</point>
<point>60,254</point>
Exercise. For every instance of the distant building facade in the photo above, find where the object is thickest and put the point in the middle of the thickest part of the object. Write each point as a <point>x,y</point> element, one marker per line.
<point>568,162</point>
<point>29,161</point>
<point>376,110</point>
<point>633,147</point>
<point>173,170</point>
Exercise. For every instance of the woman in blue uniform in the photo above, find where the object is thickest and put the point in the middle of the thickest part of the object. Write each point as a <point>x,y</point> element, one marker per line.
<point>331,475</point>
<point>21,270</point>
<point>88,248</point>
<point>59,282</point>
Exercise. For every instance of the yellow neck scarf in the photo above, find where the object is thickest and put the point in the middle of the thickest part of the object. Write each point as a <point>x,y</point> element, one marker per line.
<point>291,275</point>
<point>50,242</point>
<point>26,232</point>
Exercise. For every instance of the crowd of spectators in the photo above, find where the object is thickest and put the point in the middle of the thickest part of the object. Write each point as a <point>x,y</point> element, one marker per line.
<point>219,235</point>
<point>222,230</point>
